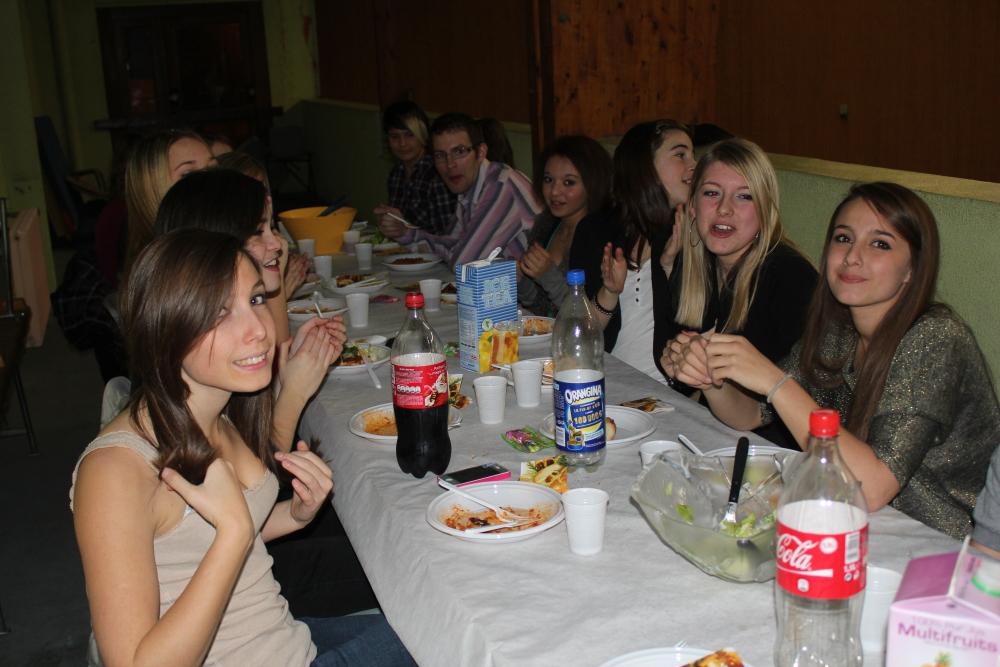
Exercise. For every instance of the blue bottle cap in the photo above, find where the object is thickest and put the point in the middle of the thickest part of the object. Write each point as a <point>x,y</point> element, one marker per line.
<point>575,277</point>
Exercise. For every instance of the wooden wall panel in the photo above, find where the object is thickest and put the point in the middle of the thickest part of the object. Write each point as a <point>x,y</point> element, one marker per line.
<point>616,63</point>
<point>447,55</point>
<point>919,78</point>
<point>348,62</point>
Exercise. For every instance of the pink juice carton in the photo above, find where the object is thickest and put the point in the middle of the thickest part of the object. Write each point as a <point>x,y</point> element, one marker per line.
<point>947,612</point>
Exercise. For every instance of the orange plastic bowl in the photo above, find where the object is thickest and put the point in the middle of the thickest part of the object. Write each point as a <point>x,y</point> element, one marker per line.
<point>328,231</point>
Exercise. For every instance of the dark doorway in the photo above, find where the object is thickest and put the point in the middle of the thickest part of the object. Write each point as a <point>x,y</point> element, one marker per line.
<point>197,65</point>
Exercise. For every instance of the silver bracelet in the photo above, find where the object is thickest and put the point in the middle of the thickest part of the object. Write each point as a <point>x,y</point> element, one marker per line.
<point>777,386</point>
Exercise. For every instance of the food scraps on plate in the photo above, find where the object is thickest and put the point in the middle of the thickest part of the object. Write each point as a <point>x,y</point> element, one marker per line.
<point>460,518</point>
<point>455,395</point>
<point>384,298</point>
<point>649,404</point>
<point>551,471</point>
<point>721,658</point>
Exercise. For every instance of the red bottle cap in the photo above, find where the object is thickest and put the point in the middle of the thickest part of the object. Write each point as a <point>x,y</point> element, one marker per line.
<point>824,423</point>
<point>414,300</point>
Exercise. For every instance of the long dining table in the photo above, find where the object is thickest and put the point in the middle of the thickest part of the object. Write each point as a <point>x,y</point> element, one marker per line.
<point>533,602</point>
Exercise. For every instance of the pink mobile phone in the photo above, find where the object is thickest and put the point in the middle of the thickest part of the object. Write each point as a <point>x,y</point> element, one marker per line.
<point>488,472</point>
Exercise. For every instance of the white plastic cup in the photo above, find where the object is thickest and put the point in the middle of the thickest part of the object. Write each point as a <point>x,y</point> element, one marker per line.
<point>357,307</point>
<point>307,247</point>
<point>648,451</point>
<point>586,510</point>
<point>527,383</point>
<point>363,251</point>
<point>491,398</point>
<point>431,289</point>
<point>323,265</point>
<point>880,590</point>
<point>351,237</point>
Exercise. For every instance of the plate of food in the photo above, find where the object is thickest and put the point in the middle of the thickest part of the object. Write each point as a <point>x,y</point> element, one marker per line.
<point>624,425</point>
<point>678,656</point>
<point>351,361</point>
<point>411,262</point>
<point>536,329</point>
<point>449,293</point>
<point>303,310</point>
<point>378,423</point>
<point>307,288</point>
<point>357,283</point>
<point>452,514</point>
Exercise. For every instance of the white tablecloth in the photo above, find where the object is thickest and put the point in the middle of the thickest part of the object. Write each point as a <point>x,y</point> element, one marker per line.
<point>533,602</point>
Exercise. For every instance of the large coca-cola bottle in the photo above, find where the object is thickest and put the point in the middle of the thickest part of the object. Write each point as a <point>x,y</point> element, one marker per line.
<point>420,394</point>
<point>822,554</point>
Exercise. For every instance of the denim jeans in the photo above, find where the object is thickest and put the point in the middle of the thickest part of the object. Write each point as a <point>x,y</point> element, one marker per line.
<point>350,641</point>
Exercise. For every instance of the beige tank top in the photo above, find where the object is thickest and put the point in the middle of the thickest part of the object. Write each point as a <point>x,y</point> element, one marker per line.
<point>257,628</point>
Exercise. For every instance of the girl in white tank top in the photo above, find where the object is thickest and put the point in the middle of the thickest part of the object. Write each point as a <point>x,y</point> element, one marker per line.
<point>174,500</point>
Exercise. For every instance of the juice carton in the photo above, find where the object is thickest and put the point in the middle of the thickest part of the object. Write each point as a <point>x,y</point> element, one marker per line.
<point>947,612</point>
<point>487,296</point>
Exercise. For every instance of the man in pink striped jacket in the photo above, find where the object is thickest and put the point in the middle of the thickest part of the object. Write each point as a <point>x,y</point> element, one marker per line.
<point>496,205</point>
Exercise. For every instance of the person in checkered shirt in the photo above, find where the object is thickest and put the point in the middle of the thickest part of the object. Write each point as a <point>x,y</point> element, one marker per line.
<point>416,192</point>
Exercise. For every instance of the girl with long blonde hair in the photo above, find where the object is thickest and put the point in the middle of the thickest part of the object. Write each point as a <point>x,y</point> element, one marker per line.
<point>734,270</point>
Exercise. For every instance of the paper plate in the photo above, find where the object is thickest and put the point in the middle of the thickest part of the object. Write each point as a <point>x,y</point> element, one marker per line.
<point>357,423</point>
<point>522,495</point>
<point>377,356</point>
<point>660,657</point>
<point>632,425</point>
<point>326,304</point>
<point>536,338</point>
<point>428,260</point>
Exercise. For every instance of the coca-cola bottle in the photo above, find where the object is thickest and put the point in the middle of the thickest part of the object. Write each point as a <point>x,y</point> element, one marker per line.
<point>822,554</point>
<point>420,394</point>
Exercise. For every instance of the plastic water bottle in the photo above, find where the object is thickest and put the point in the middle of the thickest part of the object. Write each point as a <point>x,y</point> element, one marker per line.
<point>578,388</point>
<point>822,555</point>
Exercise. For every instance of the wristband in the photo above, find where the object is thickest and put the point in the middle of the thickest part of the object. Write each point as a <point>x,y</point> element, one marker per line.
<point>777,386</point>
<point>602,309</point>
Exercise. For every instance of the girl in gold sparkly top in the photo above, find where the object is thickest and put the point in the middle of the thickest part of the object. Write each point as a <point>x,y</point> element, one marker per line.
<point>906,374</point>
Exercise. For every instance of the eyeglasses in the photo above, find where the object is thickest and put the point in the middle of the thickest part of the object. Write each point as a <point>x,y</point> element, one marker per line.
<point>456,154</point>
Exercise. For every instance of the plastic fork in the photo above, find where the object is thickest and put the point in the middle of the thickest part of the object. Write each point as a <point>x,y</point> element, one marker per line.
<point>502,514</point>
<point>496,526</point>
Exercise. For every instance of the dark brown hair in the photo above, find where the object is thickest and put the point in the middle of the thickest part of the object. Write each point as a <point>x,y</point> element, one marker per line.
<point>594,164</point>
<point>641,202</point>
<point>911,218</point>
<point>172,299</point>
<point>216,199</point>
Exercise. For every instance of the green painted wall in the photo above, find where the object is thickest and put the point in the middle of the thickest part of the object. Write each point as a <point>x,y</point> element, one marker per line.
<point>20,169</point>
<point>970,237</point>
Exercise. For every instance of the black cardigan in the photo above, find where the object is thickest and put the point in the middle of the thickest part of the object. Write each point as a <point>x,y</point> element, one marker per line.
<point>774,324</point>
<point>592,234</point>
<point>777,315</point>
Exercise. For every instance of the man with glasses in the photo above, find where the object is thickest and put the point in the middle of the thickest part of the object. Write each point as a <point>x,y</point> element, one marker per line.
<point>496,205</point>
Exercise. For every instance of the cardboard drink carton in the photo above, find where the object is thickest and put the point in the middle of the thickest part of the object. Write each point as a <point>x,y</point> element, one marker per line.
<point>487,295</point>
<point>947,612</point>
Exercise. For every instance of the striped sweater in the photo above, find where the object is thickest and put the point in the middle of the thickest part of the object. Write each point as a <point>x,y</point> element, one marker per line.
<point>499,210</point>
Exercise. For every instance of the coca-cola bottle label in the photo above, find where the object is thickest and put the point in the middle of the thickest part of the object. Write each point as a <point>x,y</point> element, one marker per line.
<point>420,386</point>
<point>823,566</point>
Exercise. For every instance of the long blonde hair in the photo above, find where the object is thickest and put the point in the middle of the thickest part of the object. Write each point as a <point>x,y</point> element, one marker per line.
<point>752,163</point>
<point>147,179</point>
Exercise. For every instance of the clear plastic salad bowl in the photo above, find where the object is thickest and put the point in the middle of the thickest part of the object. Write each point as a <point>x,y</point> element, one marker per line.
<point>684,496</point>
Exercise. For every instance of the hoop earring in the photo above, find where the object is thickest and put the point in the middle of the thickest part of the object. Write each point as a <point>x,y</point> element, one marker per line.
<point>694,233</point>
